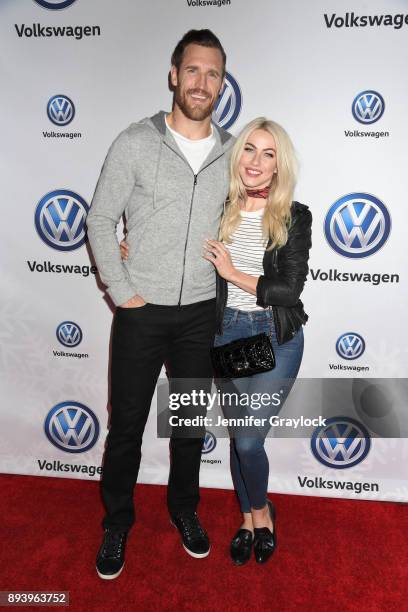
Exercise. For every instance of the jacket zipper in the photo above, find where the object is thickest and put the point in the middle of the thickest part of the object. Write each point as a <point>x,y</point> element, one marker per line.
<point>191,208</point>
<point>185,244</point>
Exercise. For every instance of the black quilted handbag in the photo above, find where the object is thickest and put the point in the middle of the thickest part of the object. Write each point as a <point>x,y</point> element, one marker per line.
<point>243,357</point>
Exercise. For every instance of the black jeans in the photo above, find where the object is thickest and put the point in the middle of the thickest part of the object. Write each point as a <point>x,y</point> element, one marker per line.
<point>143,339</point>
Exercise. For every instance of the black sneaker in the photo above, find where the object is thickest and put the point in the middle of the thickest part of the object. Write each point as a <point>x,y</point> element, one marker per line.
<point>111,555</point>
<point>194,538</point>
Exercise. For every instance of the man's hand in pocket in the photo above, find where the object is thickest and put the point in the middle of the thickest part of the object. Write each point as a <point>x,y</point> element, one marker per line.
<point>135,302</point>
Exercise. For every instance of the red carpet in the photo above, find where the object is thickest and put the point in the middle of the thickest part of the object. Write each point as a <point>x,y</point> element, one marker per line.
<point>333,554</point>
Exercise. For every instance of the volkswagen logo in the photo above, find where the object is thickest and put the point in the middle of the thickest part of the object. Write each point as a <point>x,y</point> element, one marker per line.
<point>341,443</point>
<point>368,107</point>
<point>60,110</point>
<point>69,333</point>
<point>71,427</point>
<point>60,219</point>
<point>229,103</point>
<point>55,5</point>
<point>350,346</point>
<point>357,225</point>
<point>210,442</point>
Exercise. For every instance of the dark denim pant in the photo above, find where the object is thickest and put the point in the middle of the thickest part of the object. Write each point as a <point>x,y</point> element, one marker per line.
<point>142,340</point>
<point>248,459</point>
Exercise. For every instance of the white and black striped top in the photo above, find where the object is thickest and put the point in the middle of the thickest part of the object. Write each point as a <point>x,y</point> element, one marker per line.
<point>247,251</point>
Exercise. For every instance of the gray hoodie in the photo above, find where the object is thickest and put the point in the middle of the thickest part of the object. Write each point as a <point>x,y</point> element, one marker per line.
<point>169,214</point>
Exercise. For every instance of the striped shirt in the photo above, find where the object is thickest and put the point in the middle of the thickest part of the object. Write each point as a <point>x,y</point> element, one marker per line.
<point>247,252</point>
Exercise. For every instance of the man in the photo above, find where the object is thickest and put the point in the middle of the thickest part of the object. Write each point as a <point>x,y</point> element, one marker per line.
<point>169,174</point>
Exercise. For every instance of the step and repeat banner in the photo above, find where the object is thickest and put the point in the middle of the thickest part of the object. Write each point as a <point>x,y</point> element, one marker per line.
<point>75,73</point>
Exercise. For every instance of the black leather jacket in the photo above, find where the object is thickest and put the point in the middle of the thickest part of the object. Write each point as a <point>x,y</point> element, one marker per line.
<point>285,272</point>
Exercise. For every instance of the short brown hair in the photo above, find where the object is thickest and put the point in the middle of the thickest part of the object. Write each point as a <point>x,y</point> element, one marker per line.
<point>205,38</point>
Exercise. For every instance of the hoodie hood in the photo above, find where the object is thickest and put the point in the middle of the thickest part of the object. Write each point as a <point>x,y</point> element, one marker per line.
<point>158,121</point>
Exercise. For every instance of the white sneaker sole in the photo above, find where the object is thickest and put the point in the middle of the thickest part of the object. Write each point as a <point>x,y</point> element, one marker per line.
<point>197,555</point>
<point>109,576</point>
<point>190,552</point>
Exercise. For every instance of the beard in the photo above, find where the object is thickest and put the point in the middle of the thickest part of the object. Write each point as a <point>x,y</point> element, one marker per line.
<point>193,111</point>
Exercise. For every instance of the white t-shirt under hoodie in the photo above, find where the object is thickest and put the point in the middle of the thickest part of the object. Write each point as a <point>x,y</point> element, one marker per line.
<point>195,151</point>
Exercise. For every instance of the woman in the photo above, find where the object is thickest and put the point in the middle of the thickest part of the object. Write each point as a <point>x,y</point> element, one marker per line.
<point>261,263</point>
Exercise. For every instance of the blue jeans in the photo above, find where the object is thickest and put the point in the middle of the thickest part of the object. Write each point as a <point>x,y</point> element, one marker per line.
<point>248,459</point>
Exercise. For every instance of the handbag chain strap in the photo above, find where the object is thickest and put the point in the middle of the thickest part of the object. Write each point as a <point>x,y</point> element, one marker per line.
<point>270,308</point>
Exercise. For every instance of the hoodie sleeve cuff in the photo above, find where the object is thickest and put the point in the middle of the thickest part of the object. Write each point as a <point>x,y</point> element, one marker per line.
<point>120,292</point>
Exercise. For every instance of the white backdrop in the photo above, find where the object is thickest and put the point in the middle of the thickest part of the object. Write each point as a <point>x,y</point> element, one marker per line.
<point>301,64</point>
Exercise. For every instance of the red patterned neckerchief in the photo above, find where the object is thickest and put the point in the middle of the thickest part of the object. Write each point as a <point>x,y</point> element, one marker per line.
<point>258,193</point>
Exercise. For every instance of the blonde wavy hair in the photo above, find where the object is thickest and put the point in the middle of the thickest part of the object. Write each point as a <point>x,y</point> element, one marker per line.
<point>276,218</point>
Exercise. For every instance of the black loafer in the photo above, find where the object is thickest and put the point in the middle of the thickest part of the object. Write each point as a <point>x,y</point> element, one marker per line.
<point>241,546</point>
<point>111,555</point>
<point>194,539</point>
<point>265,541</point>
